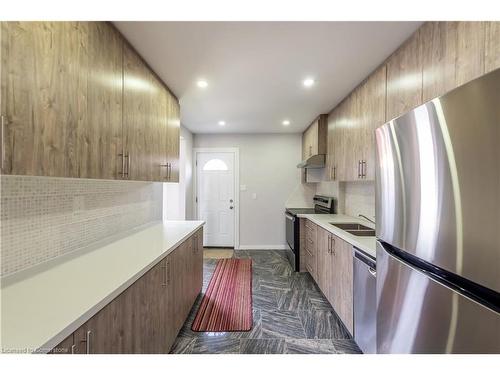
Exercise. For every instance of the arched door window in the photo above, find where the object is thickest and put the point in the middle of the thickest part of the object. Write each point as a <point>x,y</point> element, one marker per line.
<point>215,165</point>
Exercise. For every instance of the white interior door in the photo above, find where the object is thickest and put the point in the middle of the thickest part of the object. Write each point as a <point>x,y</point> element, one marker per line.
<point>216,197</point>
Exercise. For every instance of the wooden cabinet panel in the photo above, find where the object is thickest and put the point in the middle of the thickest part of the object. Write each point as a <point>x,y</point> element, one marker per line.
<point>314,138</point>
<point>492,52</point>
<point>148,315</point>
<point>372,104</point>
<point>137,125</point>
<point>44,85</point>
<point>323,274</point>
<point>334,274</point>
<point>173,137</point>
<point>75,96</point>
<point>404,78</point>
<point>100,138</point>
<point>351,124</point>
<point>470,51</point>
<point>330,149</point>
<point>338,145</point>
<point>158,138</point>
<point>342,285</point>
<point>311,247</point>
<point>439,41</point>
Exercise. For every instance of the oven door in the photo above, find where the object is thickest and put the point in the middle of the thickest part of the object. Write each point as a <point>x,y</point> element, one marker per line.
<point>290,231</point>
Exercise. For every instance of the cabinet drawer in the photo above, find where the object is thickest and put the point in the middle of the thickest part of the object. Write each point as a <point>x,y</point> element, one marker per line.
<point>311,229</point>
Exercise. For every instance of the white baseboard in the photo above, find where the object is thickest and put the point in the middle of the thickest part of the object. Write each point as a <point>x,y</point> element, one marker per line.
<point>262,247</point>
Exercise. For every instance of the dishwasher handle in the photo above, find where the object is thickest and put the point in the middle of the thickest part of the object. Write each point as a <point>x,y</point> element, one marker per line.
<point>368,261</point>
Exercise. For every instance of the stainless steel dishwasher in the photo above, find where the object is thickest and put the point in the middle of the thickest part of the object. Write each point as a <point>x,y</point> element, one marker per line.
<point>365,301</point>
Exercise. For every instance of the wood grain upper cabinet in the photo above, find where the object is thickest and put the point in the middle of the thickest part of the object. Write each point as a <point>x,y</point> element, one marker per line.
<point>159,130</point>
<point>338,142</point>
<point>404,78</point>
<point>439,56</point>
<point>334,138</point>
<point>44,96</point>
<point>100,138</point>
<point>314,141</point>
<point>173,138</point>
<point>453,54</point>
<point>492,53</point>
<point>142,125</point>
<point>372,107</point>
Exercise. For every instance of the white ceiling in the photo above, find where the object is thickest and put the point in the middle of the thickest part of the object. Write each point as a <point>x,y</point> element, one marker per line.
<point>255,69</point>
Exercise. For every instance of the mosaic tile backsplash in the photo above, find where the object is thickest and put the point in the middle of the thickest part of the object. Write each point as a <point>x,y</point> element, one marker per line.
<point>43,218</point>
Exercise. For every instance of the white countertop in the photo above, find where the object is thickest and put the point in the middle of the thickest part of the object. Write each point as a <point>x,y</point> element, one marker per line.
<point>366,244</point>
<point>40,309</point>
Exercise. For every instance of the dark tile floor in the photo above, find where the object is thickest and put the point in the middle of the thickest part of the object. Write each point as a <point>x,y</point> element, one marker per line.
<point>291,315</point>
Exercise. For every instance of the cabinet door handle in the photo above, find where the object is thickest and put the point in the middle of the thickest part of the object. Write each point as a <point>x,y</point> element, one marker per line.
<point>165,166</point>
<point>122,172</point>
<point>310,150</point>
<point>329,244</point>
<point>335,172</point>
<point>333,245</point>
<point>364,168</point>
<point>168,272</point>
<point>165,276</point>
<point>359,168</point>
<point>88,335</point>
<point>73,349</point>
<point>128,165</point>
<point>2,120</point>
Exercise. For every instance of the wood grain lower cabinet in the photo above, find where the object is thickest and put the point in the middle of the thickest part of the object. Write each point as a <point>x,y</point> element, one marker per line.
<point>148,315</point>
<point>334,274</point>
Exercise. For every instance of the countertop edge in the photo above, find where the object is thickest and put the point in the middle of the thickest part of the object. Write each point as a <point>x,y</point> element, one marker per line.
<point>72,327</point>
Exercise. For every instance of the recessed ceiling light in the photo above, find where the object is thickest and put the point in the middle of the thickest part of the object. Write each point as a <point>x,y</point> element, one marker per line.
<point>286,122</point>
<point>222,123</point>
<point>308,82</point>
<point>201,83</point>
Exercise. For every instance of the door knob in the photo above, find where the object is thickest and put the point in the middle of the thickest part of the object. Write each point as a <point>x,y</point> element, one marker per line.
<point>231,207</point>
<point>230,201</point>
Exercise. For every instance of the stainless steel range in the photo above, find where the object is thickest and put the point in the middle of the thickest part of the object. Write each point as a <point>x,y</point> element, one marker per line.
<point>322,205</point>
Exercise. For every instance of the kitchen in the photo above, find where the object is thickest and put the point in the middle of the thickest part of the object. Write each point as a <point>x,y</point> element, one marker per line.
<point>165,191</point>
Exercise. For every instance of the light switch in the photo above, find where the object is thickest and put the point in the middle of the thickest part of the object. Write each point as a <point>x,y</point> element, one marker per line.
<point>254,195</point>
<point>243,188</point>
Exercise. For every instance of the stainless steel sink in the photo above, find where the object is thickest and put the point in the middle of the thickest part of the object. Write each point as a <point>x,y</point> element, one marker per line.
<point>356,229</point>
<point>362,233</point>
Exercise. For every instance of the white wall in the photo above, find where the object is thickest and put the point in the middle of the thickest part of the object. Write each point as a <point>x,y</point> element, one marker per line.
<point>267,168</point>
<point>177,197</point>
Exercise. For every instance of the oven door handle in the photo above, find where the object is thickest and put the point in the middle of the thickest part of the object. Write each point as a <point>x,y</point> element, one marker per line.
<point>290,217</point>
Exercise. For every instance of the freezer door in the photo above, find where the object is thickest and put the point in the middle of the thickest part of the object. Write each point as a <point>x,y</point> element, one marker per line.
<point>416,314</point>
<point>438,181</point>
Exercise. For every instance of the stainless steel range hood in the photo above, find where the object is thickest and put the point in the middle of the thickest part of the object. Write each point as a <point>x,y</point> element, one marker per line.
<point>314,162</point>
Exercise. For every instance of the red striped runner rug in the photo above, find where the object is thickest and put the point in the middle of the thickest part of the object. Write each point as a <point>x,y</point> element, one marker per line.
<point>227,304</point>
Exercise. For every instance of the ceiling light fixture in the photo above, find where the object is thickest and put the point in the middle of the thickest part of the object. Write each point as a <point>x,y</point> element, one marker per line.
<point>202,83</point>
<point>222,123</point>
<point>308,82</point>
<point>286,122</point>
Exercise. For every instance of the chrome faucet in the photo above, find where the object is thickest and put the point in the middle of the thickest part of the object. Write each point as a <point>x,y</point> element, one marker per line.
<point>364,217</point>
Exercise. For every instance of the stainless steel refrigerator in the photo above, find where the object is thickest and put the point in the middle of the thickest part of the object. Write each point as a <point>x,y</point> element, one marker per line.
<point>438,224</point>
